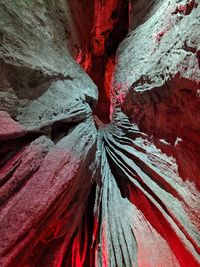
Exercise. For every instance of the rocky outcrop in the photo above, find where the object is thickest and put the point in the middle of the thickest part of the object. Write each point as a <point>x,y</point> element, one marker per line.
<point>160,88</point>
<point>48,139</point>
<point>156,83</point>
<point>146,197</point>
<point>105,26</point>
<point>73,190</point>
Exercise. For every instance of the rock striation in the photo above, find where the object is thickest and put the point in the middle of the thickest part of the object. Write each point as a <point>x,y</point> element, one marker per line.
<point>75,191</point>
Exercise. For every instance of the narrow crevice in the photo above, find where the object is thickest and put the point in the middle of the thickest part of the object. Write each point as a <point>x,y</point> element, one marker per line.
<point>98,53</point>
<point>103,65</point>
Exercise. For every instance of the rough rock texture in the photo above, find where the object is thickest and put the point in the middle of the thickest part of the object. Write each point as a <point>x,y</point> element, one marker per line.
<point>156,83</point>
<point>34,38</point>
<point>48,139</point>
<point>105,26</point>
<point>158,80</point>
<point>74,191</point>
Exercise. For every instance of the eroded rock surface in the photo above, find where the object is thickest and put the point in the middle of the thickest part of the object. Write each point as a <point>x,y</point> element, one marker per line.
<point>74,191</point>
<point>48,139</point>
<point>157,81</point>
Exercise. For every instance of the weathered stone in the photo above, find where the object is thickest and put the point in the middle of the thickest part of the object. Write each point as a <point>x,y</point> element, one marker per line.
<point>9,129</point>
<point>75,191</point>
<point>157,80</point>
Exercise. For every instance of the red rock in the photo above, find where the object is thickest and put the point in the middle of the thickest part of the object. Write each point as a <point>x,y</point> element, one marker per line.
<point>116,184</point>
<point>9,128</point>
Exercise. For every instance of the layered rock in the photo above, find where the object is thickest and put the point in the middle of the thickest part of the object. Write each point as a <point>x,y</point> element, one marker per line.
<point>77,192</point>
<point>48,139</point>
<point>156,83</point>
<point>158,80</point>
<point>146,198</point>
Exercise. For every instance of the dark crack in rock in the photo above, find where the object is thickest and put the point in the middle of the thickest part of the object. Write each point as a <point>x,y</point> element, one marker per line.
<point>74,191</point>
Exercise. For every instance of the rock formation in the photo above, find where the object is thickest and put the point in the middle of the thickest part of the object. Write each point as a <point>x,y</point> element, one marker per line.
<point>108,181</point>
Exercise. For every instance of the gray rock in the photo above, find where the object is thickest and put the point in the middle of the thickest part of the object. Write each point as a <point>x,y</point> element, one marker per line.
<point>77,192</point>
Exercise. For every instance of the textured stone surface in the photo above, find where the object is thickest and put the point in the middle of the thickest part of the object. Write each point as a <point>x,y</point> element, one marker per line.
<point>74,191</point>
<point>160,62</point>
<point>156,83</point>
<point>34,38</point>
<point>139,177</point>
<point>48,140</point>
<point>158,80</point>
<point>42,203</point>
<point>9,128</point>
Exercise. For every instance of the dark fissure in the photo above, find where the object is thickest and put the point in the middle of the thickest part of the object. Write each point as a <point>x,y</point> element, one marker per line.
<point>99,133</point>
<point>99,41</point>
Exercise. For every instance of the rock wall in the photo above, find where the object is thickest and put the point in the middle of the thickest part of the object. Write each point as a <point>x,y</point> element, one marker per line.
<point>48,139</point>
<point>75,191</point>
<point>160,88</point>
<point>101,26</point>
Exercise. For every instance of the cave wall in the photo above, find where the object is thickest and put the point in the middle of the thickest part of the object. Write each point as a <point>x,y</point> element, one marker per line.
<point>80,193</point>
<point>160,88</point>
<point>101,26</point>
<point>47,136</point>
<point>156,84</point>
